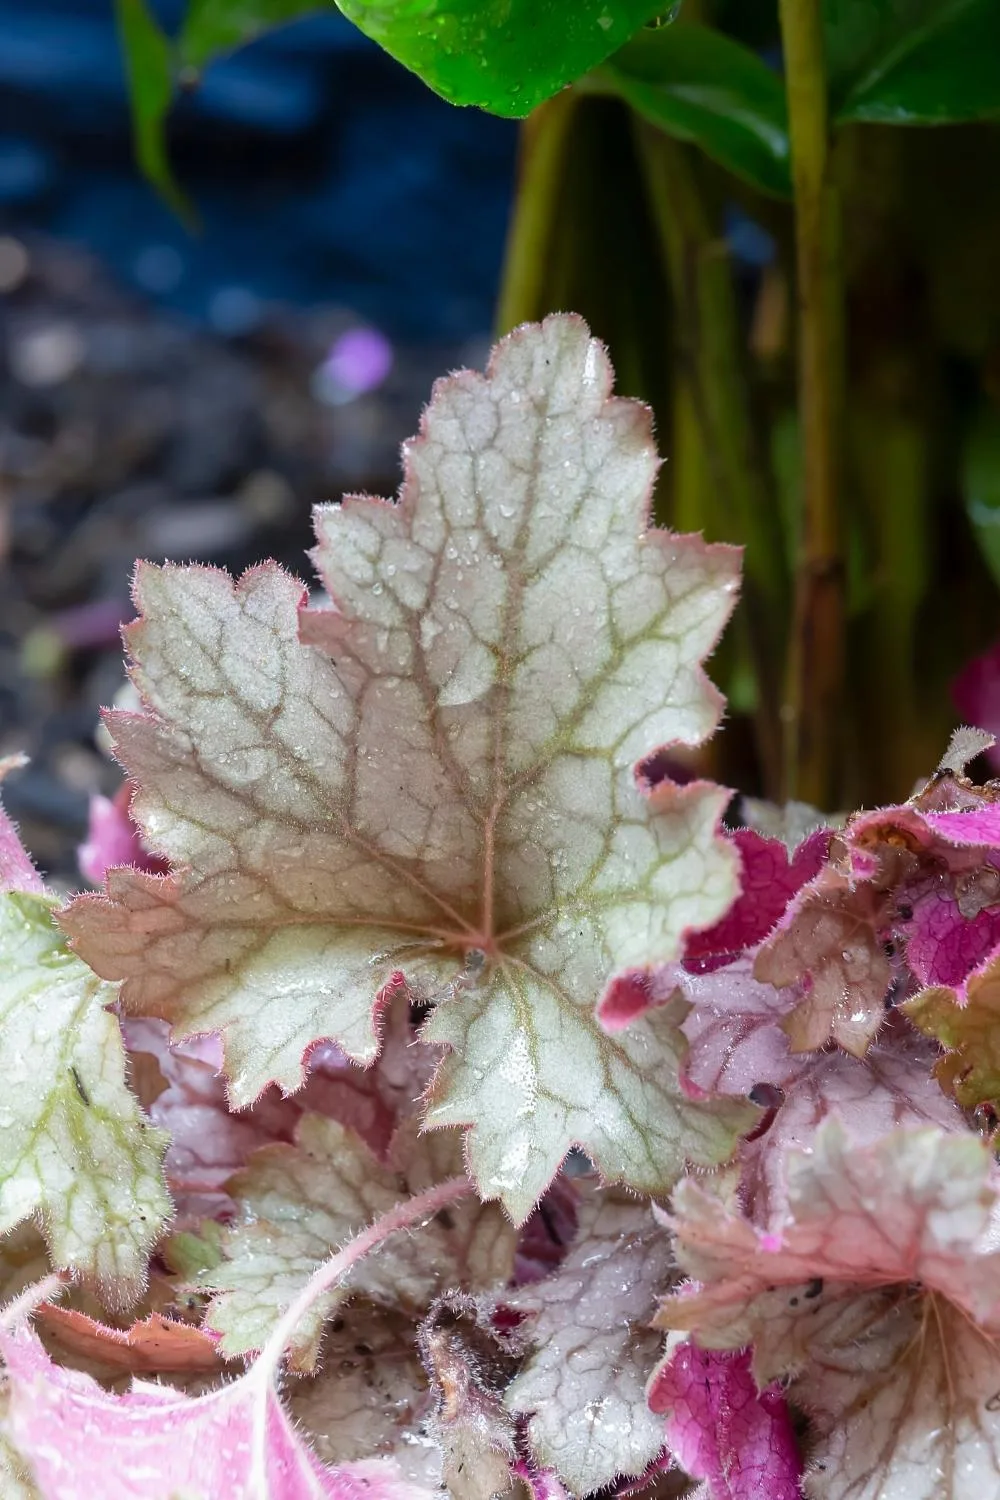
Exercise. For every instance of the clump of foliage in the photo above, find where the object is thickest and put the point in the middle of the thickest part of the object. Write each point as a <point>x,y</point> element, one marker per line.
<point>452,1090</point>
<point>441,1099</point>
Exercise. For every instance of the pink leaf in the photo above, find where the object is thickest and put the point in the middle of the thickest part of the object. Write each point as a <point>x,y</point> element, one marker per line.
<point>738,1046</point>
<point>113,839</point>
<point>208,1142</point>
<point>913,1206</point>
<point>893,1087</point>
<point>733,1027</point>
<point>722,1429</point>
<point>17,873</point>
<point>234,1444</point>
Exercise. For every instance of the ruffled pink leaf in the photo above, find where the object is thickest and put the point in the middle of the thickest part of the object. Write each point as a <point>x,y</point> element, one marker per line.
<point>909,896</point>
<point>113,839</point>
<point>209,1142</point>
<point>720,1428</point>
<point>914,1206</point>
<point>738,1046</point>
<point>235,1443</point>
<point>894,1087</point>
<point>770,876</point>
<point>878,1295</point>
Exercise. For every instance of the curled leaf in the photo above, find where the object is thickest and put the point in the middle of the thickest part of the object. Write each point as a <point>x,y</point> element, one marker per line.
<point>75,1149</point>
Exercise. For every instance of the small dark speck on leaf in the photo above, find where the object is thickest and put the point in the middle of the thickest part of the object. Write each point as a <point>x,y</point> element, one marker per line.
<point>78,1085</point>
<point>813,1289</point>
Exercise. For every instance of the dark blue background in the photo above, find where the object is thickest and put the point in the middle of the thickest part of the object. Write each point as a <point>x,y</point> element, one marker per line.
<point>322,171</point>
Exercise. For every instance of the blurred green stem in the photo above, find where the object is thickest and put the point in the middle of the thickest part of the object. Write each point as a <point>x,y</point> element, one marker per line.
<point>713,387</point>
<point>815,677</point>
<point>531,239</point>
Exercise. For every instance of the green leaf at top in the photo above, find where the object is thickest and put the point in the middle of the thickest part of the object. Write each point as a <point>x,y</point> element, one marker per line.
<point>431,783</point>
<point>149,67</point>
<point>701,86</point>
<point>213,27</point>
<point>507,56</point>
<point>913,62</point>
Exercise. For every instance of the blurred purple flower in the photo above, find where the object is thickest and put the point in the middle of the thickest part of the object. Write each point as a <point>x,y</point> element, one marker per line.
<point>358,361</point>
<point>976,694</point>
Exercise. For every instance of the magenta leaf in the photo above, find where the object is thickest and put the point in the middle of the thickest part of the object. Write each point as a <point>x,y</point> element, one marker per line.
<point>770,876</point>
<point>720,1428</point>
<point>113,839</point>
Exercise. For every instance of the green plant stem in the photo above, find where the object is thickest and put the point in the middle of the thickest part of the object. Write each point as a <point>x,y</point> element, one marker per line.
<point>534,222</point>
<point>814,686</point>
<point>713,387</point>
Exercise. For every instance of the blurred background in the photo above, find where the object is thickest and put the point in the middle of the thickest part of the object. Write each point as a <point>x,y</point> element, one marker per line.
<point>190,395</point>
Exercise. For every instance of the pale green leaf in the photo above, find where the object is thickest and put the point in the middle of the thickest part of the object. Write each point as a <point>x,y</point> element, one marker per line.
<point>75,1149</point>
<point>438,787</point>
<point>300,1202</point>
<point>592,1348</point>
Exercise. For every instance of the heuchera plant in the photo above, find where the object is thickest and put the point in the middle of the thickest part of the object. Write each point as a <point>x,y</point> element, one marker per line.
<point>438,1099</point>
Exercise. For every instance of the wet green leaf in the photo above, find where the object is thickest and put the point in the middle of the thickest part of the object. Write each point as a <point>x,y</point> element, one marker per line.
<point>213,27</point>
<point>504,55</point>
<point>912,62</point>
<point>149,67</point>
<point>699,85</point>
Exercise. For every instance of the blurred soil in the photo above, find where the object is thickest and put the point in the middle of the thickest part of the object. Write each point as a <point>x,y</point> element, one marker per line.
<point>127,431</point>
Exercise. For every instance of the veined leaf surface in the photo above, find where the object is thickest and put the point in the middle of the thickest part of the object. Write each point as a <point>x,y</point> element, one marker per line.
<point>431,783</point>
